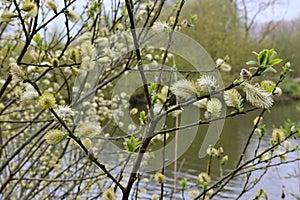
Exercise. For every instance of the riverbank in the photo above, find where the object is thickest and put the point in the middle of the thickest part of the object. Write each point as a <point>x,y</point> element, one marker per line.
<point>286,98</point>
<point>290,90</point>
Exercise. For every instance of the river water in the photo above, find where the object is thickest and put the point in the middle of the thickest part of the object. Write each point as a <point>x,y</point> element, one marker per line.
<point>233,138</point>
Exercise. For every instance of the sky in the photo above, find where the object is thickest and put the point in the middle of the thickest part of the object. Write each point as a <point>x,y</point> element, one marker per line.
<point>285,9</point>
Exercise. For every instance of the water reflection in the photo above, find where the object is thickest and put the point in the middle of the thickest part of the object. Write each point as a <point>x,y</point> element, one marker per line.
<point>233,138</point>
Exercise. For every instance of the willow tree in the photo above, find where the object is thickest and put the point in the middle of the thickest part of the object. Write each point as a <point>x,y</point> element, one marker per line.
<point>70,127</point>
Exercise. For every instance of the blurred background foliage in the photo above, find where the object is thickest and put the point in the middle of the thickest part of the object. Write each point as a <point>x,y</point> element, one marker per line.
<point>225,28</point>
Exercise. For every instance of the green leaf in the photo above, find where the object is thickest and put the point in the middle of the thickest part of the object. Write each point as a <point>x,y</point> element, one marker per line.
<point>272,54</point>
<point>154,99</point>
<point>183,183</point>
<point>267,86</point>
<point>143,117</point>
<point>194,18</point>
<point>287,67</point>
<point>236,82</point>
<point>152,88</point>
<point>234,112</point>
<point>251,62</point>
<point>275,62</point>
<point>270,69</point>
<point>132,144</point>
<point>262,57</point>
<point>9,46</point>
<point>38,40</point>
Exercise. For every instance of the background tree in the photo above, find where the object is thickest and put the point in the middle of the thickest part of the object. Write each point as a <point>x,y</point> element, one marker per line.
<point>224,35</point>
<point>286,37</point>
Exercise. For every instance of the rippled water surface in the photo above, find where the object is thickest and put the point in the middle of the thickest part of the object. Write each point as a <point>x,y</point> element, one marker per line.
<point>233,138</point>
